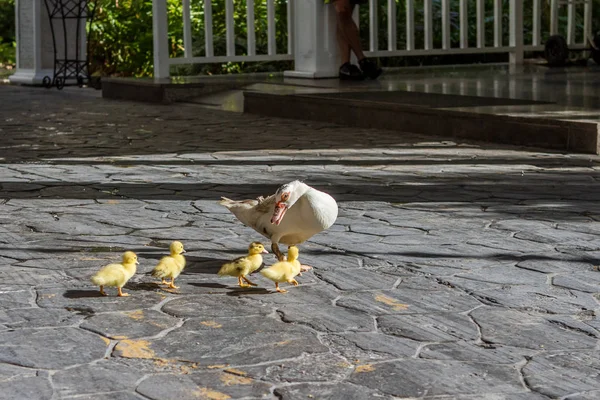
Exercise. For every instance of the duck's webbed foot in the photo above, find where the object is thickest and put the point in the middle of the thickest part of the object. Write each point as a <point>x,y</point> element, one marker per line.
<point>275,249</point>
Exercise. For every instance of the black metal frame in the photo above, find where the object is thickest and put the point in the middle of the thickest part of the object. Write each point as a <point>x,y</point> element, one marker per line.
<point>65,68</point>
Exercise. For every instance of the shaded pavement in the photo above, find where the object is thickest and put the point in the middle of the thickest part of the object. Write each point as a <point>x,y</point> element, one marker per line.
<point>454,271</point>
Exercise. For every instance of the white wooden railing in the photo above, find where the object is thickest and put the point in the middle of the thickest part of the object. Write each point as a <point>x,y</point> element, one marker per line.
<point>318,30</point>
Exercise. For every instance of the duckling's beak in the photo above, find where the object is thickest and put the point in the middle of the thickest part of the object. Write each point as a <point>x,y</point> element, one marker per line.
<point>182,250</point>
<point>137,262</point>
<point>278,213</point>
<point>265,251</point>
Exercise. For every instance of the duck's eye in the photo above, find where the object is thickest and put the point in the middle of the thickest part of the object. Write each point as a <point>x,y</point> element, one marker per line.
<point>285,196</point>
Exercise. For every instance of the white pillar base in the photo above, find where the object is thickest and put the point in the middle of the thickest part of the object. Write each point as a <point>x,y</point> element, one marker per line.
<point>311,74</point>
<point>315,44</point>
<point>30,76</point>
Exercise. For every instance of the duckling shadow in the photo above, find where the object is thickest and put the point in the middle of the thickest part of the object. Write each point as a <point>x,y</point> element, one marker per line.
<point>150,286</point>
<point>210,285</point>
<point>81,294</point>
<point>202,265</point>
<point>248,292</point>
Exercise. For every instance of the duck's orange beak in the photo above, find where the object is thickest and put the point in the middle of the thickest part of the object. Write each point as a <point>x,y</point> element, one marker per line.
<point>278,214</point>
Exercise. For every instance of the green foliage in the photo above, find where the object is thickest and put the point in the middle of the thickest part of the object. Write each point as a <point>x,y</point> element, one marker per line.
<point>7,32</point>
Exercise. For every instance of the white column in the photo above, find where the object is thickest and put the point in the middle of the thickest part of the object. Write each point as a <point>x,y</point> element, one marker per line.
<point>516,32</point>
<point>160,37</point>
<point>35,52</point>
<point>315,45</point>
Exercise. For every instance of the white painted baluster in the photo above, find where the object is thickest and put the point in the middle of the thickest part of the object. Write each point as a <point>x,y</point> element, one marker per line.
<point>208,31</point>
<point>587,22</point>
<point>571,23</point>
<point>480,24</point>
<point>464,24</point>
<point>445,24</point>
<point>537,13</point>
<point>428,24</point>
<point>410,25</point>
<point>373,26</point>
<point>516,32</point>
<point>553,17</point>
<point>187,29</point>
<point>392,45</point>
<point>272,43</point>
<point>230,27</point>
<point>160,28</point>
<point>290,26</point>
<point>251,30</point>
<point>498,23</point>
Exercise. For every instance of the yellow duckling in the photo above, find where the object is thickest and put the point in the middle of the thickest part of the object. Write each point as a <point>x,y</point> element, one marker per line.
<point>170,266</point>
<point>284,271</point>
<point>243,266</point>
<point>116,274</point>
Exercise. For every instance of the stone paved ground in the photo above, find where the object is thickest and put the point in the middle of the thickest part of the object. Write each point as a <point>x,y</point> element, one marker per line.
<point>455,271</point>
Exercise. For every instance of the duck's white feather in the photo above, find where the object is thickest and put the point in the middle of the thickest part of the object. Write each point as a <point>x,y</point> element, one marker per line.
<point>314,212</point>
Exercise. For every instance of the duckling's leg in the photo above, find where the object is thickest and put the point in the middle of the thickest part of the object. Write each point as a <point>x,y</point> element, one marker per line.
<point>249,282</point>
<point>293,282</point>
<point>164,282</point>
<point>280,290</point>
<point>277,252</point>
<point>305,268</point>
<point>172,284</point>
<point>102,292</point>
<point>242,284</point>
<point>121,294</point>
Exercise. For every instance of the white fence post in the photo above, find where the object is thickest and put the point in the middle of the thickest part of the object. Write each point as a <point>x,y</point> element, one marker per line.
<point>160,38</point>
<point>516,32</point>
<point>315,44</point>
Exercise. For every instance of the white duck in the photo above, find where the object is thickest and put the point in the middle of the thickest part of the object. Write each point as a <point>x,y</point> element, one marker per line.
<point>294,214</point>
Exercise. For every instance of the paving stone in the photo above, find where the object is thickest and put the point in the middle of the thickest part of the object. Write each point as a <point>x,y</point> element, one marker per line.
<point>543,264</point>
<point>129,324</point>
<point>244,341</point>
<point>103,376</point>
<point>340,391</point>
<point>506,275</point>
<point>358,279</point>
<point>16,297</point>
<point>107,396</point>
<point>370,346</point>
<point>421,378</point>
<point>559,375</point>
<point>455,238</point>
<point>407,301</point>
<point>530,331</point>
<point>210,306</point>
<point>38,317</point>
<point>90,299</point>
<point>320,367</point>
<point>483,353</point>
<point>583,281</point>
<point>212,385</point>
<point>51,348</point>
<point>26,387</point>
<point>326,318</point>
<point>553,300</point>
<point>429,327</point>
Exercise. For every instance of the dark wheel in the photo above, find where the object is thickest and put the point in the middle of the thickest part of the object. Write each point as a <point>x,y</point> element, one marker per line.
<point>60,83</point>
<point>47,82</point>
<point>556,50</point>
<point>596,51</point>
